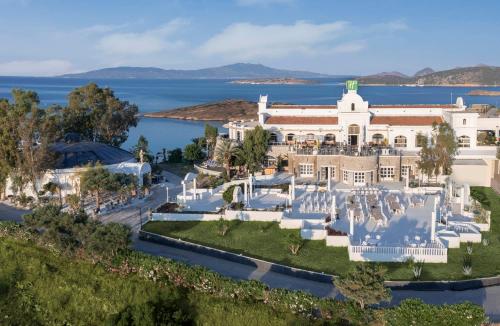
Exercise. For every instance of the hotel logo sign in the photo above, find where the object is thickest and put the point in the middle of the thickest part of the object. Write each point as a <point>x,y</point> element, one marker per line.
<point>351,85</point>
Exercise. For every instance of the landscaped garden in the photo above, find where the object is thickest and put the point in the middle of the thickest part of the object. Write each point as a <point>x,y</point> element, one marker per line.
<point>267,241</point>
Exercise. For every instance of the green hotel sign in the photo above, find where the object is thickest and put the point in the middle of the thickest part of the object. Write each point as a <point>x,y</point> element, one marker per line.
<point>351,85</point>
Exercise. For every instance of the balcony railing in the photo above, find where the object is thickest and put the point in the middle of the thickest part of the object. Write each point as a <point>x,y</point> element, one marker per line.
<point>348,150</point>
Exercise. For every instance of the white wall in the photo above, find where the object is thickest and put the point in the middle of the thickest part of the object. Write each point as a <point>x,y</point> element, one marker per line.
<point>474,175</point>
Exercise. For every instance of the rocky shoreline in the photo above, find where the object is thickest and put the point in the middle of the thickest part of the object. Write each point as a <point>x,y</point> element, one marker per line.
<point>482,92</point>
<point>226,110</point>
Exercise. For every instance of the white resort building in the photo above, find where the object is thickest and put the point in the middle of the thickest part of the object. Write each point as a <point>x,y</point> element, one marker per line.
<point>347,181</point>
<point>73,156</point>
<point>359,144</point>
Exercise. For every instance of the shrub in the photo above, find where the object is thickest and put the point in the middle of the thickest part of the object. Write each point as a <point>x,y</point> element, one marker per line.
<point>227,195</point>
<point>222,227</point>
<point>416,312</point>
<point>171,309</point>
<point>364,285</point>
<point>295,242</point>
<point>175,155</point>
<point>467,265</point>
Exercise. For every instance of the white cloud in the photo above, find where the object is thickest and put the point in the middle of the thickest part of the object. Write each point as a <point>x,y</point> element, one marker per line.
<point>395,25</point>
<point>247,3</point>
<point>35,68</point>
<point>101,28</point>
<point>244,41</point>
<point>147,42</point>
<point>349,47</point>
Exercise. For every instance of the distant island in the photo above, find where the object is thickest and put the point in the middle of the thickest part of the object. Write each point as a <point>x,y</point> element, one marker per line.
<point>233,71</point>
<point>227,110</point>
<point>482,92</point>
<point>469,76</point>
<point>275,81</point>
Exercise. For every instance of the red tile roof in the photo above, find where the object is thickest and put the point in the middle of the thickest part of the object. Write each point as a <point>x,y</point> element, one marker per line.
<point>303,107</point>
<point>294,120</point>
<point>414,106</point>
<point>406,121</point>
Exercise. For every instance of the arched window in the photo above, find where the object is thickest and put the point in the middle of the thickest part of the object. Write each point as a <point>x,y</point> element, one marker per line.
<point>378,139</point>
<point>464,122</point>
<point>310,137</point>
<point>400,141</point>
<point>420,140</point>
<point>464,141</point>
<point>290,137</point>
<point>273,138</point>
<point>353,106</point>
<point>329,138</point>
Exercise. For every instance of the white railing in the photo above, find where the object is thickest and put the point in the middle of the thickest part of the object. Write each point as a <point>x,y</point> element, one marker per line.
<point>434,254</point>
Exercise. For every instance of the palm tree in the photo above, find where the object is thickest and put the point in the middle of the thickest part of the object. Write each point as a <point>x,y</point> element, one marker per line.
<point>54,187</point>
<point>224,151</point>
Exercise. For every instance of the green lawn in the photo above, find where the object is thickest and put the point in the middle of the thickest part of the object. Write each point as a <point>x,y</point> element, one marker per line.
<point>267,241</point>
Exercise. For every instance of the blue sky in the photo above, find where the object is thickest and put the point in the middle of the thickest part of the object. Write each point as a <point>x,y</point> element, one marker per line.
<point>338,37</point>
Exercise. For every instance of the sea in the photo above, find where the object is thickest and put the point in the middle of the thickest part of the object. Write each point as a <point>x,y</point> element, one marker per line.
<point>161,94</point>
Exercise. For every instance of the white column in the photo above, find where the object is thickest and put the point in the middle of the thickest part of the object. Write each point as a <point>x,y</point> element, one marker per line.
<point>351,224</point>
<point>245,194</point>
<point>329,177</point>
<point>167,193</point>
<point>433,226</point>
<point>194,189</point>
<point>184,190</point>
<point>293,187</point>
<point>250,184</point>
<point>462,199</point>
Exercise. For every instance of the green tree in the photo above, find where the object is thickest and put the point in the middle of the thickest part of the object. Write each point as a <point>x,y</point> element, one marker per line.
<point>193,152</point>
<point>364,285</point>
<point>98,115</point>
<point>54,188</point>
<point>97,181</point>
<point>175,155</point>
<point>437,157</point>
<point>74,202</point>
<point>224,152</point>
<point>255,147</point>
<point>108,239</point>
<point>142,144</point>
<point>211,134</point>
<point>34,157</point>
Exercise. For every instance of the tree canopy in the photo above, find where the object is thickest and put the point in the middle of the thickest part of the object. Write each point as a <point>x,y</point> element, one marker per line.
<point>142,144</point>
<point>364,285</point>
<point>193,152</point>
<point>98,115</point>
<point>254,147</point>
<point>436,156</point>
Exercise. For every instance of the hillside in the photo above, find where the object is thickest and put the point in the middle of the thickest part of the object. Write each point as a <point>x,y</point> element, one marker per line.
<point>233,71</point>
<point>227,110</point>
<point>469,76</point>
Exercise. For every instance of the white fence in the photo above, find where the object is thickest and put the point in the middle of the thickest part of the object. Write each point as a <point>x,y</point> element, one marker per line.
<point>397,254</point>
<point>185,217</point>
<point>262,216</point>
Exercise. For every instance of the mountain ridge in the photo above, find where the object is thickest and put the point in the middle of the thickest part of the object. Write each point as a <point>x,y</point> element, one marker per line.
<point>463,76</point>
<point>232,71</point>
